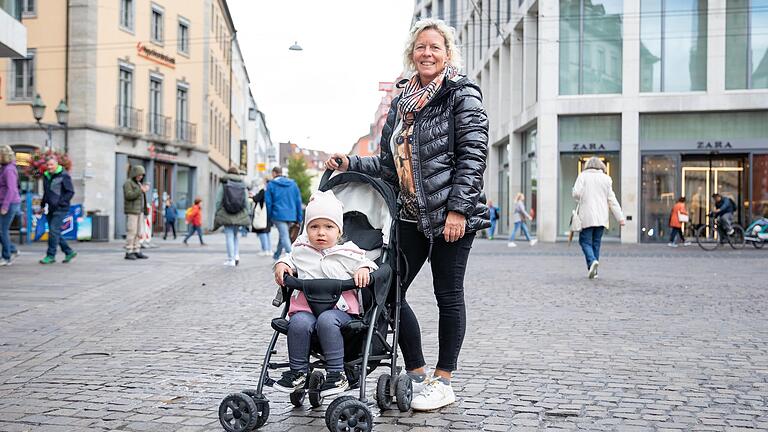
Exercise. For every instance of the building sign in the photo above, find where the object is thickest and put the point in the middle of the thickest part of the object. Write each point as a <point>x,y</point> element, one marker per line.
<point>161,153</point>
<point>713,145</point>
<point>705,145</point>
<point>155,56</point>
<point>244,155</point>
<point>590,147</point>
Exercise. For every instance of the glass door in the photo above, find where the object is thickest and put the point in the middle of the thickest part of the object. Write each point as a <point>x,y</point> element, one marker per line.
<point>160,192</point>
<point>702,178</point>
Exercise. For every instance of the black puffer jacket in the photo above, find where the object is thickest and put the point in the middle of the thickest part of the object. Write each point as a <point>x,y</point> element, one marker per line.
<point>448,157</point>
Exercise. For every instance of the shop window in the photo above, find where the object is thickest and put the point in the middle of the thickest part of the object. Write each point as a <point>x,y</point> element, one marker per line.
<point>658,186</point>
<point>759,186</point>
<point>529,171</point>
<point>746,44</point>
<point>673,45</point>
<point>590,28</point>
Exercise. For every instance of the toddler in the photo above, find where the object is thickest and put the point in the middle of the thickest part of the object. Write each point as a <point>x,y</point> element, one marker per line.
<point>318,253</point>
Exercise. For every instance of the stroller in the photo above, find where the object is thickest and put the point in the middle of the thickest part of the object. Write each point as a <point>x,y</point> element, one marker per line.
<point>370,208</point>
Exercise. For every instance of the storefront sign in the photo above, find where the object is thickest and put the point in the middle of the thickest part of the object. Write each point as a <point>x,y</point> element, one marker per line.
<point>705,145</point>
<point>155,56</point>
<point>590,147</point>
<point>161,153</point>
<point>244,155</point>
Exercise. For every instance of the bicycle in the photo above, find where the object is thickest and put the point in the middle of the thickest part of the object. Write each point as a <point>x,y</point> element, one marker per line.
<point>711,235</point>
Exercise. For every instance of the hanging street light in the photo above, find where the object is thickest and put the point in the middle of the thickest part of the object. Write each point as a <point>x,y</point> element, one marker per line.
<point>62,118</point>
<point>296,47</point>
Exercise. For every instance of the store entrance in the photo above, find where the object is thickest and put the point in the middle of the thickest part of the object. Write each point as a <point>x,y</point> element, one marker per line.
<point>571,165</point>
<point>161,191</point>
<point>702,177</point>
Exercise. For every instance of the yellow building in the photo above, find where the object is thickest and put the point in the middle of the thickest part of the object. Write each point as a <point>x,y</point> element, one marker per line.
<point>146,82</point>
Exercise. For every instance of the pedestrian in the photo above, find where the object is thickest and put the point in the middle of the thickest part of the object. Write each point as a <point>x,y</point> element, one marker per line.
<point>677,217</point>
<point>494,212</point>
<point>519,217</point>
<point>194,218</point>
<point>318,253</point>
<point>135,209</point>
<point>261,223</point>
<point>10,202</point>
<point>283,201</point>
<point>593,192</point>
<point>57,194</point>
<point>438,121</point>
<point>232,212</point>
<point>170,215</point>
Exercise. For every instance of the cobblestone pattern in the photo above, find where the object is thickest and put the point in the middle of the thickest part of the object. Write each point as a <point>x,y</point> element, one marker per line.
<point>665,340</point>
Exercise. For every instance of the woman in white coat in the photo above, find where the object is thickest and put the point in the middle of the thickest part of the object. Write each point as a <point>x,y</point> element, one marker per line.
<point>593,191</point>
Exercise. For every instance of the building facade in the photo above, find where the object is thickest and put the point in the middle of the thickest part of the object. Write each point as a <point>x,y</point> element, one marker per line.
<point>13,34</point>
<point>673,96</point>
<point>147,82</point>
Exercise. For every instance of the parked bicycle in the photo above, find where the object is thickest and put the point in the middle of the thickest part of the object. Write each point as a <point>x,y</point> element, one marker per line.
<point>711,235</point>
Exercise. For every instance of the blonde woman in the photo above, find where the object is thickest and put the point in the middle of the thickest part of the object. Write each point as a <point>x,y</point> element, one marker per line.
<point>10,202</point>
<point>593,191</point>
<point>519,216</point>
<point>433,151</point>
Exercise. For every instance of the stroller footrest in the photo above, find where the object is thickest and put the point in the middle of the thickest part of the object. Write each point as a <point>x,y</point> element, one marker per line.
<point>280,325</point>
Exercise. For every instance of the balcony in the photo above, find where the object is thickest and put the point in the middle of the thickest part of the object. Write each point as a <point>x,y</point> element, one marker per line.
<point>13,34</point>
<point>186,132</point>
<point>159,125</point>
<point>128,119</point>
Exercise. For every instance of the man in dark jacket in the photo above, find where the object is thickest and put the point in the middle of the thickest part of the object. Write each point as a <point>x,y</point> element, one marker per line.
<point>57,194</point>
<point>283,201</point>
<point>725,209</point>
<point>135,208</point>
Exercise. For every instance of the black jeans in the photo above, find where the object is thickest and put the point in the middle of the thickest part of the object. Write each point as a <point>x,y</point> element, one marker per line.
<point>172,226</point>
<point>674,232</point>
<point>449,263</point>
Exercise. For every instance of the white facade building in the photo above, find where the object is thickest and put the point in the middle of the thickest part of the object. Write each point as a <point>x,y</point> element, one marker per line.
<point>673,96</point>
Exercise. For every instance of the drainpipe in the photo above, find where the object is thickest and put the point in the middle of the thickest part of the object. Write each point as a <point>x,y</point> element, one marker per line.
<point>66,77</point>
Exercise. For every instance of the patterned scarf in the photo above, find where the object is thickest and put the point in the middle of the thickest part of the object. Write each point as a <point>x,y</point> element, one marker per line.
<point>413,99</point>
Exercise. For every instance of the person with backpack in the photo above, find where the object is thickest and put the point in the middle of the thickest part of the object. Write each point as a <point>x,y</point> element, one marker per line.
<point>194,218</point>
<point>283,201</point>
<point>232,212</point>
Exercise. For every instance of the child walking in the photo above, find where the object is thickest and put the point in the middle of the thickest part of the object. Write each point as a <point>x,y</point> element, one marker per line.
<point>319,254</point>
<point>678,216</point>
<point>170,219</point>
<point>194,218</point>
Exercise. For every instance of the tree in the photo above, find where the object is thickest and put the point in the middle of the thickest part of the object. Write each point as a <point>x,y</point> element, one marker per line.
<point>297,170</point>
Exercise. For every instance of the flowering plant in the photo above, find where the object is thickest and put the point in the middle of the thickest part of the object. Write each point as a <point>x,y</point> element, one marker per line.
<point>36,166</point>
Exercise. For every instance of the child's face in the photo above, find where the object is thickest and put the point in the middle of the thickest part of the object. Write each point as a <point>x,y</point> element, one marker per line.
<point>323,233</point>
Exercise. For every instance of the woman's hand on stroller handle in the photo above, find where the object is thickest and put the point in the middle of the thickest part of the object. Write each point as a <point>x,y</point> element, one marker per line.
<point>338,162</point>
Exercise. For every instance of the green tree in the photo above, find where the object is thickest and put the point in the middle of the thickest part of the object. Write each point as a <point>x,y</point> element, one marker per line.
<point>297,170</point>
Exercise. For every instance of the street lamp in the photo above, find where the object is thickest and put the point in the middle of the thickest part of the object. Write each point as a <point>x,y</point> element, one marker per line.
<point>62,117</point>
<point>296,47</point>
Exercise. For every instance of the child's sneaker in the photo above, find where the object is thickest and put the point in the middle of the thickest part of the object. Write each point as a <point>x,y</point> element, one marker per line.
<point>290,382</point>
<point>437,394</point>
<point>335,383</point>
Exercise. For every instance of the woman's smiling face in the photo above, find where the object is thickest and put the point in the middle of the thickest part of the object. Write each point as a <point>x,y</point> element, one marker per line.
<point>429,55</point>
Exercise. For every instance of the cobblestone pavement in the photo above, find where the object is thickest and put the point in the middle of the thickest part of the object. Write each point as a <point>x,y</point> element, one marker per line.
<point>664,340</point>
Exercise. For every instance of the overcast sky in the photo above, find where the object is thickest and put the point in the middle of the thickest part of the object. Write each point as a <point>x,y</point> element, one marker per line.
<point>325,96</point>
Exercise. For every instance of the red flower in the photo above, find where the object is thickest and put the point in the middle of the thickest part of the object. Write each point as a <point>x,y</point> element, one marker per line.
<point>36,166</point>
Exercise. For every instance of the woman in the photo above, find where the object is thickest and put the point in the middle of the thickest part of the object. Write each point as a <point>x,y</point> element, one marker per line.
<point>519,216</point>
<point>232,212</point>
<point>10,201</point>
<point>676,225</point>
<point>593,191</point>
<point>433,151</point>
<point>261,223</point>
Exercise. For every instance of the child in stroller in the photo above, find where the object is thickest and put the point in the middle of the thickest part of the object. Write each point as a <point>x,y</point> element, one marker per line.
<point>317,254</point>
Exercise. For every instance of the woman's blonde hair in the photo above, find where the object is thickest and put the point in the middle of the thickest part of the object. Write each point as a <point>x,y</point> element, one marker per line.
<point>448,33</point>
<point>519,196</point>
<point>595,163</point>
<point>6,154</point>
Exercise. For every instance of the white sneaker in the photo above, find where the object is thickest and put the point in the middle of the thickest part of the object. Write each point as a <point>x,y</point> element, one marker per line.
<point>237,260</point>
<point>593,270</point>
<point>4,263</point>
<point>533,242</point>
<point>687,243</point>
<point>435,395</point>
<point>511,244</point>
<point>671,244</point>
<point>229,263</point>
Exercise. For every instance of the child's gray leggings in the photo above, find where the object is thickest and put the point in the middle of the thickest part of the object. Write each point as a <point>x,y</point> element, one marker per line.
<point>328,328</point>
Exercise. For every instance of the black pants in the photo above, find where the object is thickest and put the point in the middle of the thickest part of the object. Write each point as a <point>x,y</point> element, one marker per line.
<point>674,232</point>
<point>449,263</point>
<point>172,226</point>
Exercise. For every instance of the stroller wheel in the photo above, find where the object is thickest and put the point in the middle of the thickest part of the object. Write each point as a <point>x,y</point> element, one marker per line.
<point>404,392</point>
<point>316,380</point>
<point>332,406</point>
<point>262,407</point>
<point>383,396</point>
<point>297,398</point>
<point>238,413</point>
<point>350,415</point>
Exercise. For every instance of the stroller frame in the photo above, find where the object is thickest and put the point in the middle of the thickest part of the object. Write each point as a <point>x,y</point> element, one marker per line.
<point>249,410</point>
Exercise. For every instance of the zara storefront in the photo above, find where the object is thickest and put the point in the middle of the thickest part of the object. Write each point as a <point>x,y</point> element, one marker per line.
<point>696,155</point>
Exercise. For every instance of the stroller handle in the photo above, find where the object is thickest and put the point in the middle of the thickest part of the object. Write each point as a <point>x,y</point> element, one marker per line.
<point>295,283</point>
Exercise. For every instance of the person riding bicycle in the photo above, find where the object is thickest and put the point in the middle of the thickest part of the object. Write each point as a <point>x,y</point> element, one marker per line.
<point>724,213</point>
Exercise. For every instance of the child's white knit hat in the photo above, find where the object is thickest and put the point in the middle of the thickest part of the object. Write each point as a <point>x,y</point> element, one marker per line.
<point>325,205</point>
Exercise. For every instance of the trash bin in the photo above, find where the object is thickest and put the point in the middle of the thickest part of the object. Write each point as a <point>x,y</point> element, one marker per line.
<point>100,228</point>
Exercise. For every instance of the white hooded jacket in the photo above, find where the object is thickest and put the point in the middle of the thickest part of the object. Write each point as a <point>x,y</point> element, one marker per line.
<point>593,191</point>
